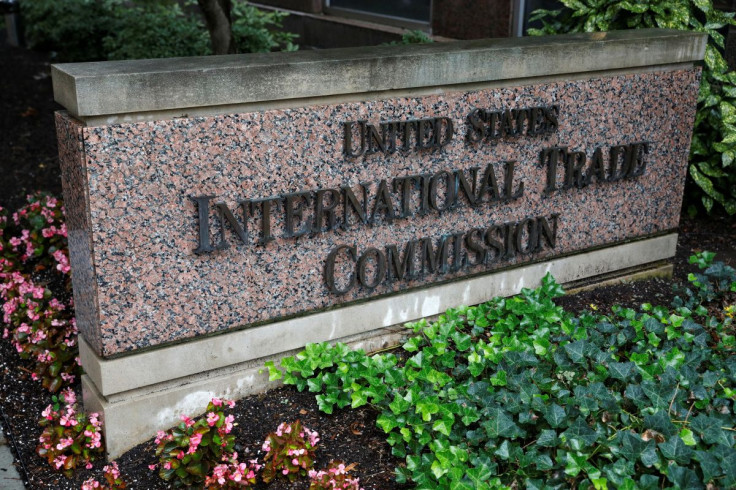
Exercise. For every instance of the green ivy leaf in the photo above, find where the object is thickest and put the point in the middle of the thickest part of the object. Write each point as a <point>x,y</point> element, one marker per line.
<point>500,424</point>
<point>554,414</point>
<point>675,449</point>
<point>683,477</point>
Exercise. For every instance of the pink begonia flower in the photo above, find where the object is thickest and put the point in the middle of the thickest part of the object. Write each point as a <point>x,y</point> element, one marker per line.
<point>231,403</point>
<point>217,402</point>
<point>69,396</point>
<point>212,418</point>
<point>90,484</point>
<point>151,467</point>
<point>64,443</point>
<point>47,413</point>
<point>285,471</point>
<point>195,439</point>
<point>167,465</point>
<point>180,455</point>
<point>229,423</point>
<point>95,442</point>
<point>160,436</point>
<point>59,461</point>
<point>265,448</point>
<point>189,422</point>
<point>112,469</point>
<point>34,377</point>
<point>88,465</point>
<point>295,462</point>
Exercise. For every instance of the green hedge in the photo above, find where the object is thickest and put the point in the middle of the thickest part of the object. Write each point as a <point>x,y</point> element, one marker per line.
<point>93,30</point>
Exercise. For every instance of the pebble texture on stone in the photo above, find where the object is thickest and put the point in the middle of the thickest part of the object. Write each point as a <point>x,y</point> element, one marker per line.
<point>128,191</point>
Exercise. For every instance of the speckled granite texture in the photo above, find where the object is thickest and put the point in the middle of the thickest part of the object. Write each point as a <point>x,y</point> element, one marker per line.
<point>134,226</point>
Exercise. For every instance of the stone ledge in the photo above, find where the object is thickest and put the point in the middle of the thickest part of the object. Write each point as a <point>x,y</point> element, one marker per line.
<point>138,371</point>
<point>135,416</point>
<point>179,83</point>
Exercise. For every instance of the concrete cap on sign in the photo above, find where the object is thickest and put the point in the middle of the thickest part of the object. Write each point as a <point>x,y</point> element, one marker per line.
<point>135,86</point>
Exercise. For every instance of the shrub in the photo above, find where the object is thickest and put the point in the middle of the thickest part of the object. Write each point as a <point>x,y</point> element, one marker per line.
<point>70,438</point>
<point>518,392</point>
<point>72,29</point>
<point>155,30</point>
<point>91,30</point>
<point>259,31</point>
<point>289,451</point>
<point>412,37</point>
<point>713,150</point>
<point>190,451</point>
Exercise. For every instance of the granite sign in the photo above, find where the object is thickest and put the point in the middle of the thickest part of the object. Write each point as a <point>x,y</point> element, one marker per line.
<point>287,198</point>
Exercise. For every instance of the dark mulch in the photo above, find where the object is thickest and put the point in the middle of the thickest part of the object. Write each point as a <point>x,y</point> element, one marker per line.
<point>28,162</point>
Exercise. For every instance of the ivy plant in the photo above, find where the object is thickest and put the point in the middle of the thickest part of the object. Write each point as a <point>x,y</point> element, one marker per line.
<point>518,392</point>
<point>713,150</point>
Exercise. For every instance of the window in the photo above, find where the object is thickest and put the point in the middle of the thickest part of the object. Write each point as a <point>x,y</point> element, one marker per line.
<point>400,12</point>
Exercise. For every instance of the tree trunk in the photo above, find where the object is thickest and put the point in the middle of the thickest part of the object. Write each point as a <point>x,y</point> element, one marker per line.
<point>217,16</point>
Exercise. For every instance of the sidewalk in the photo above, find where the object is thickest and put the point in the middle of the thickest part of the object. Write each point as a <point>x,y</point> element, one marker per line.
<point>9,477</point>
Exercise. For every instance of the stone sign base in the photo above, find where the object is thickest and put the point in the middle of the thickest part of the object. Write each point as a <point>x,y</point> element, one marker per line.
<point>224,211</point>
<point>142,393</point>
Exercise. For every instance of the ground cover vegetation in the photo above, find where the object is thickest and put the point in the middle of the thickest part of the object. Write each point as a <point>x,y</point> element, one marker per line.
<point>712,168</point>
<point>514,391</point>
<point>196,453</point>
<point>93,30</point>
<point>518,392</point>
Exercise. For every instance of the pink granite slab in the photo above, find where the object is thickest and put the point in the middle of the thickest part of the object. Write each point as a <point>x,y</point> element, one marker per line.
<point>133,224</point>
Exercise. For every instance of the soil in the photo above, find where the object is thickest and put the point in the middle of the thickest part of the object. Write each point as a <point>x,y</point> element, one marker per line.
<point>29,162</point>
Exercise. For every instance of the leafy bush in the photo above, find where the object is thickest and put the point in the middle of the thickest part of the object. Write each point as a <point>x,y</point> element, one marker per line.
<point>155,30</point>
<point>289,451</point>
<point>518,392</point>
<point>713,150</point>
<point>70,438</point>
<point>73,29</point>
<point>91,30</point>
<point>259,31</point>
<point>189,452</point>
<point>412,37</point>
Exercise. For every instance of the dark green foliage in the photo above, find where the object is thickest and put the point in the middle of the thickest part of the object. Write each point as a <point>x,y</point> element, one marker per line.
<point>412,37</point>
<point>73,29</point>
<point>258,31</point>
<point>155,30</point>
<point>91,30</point>
<point>713,150</point>
<point>518,392</point>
